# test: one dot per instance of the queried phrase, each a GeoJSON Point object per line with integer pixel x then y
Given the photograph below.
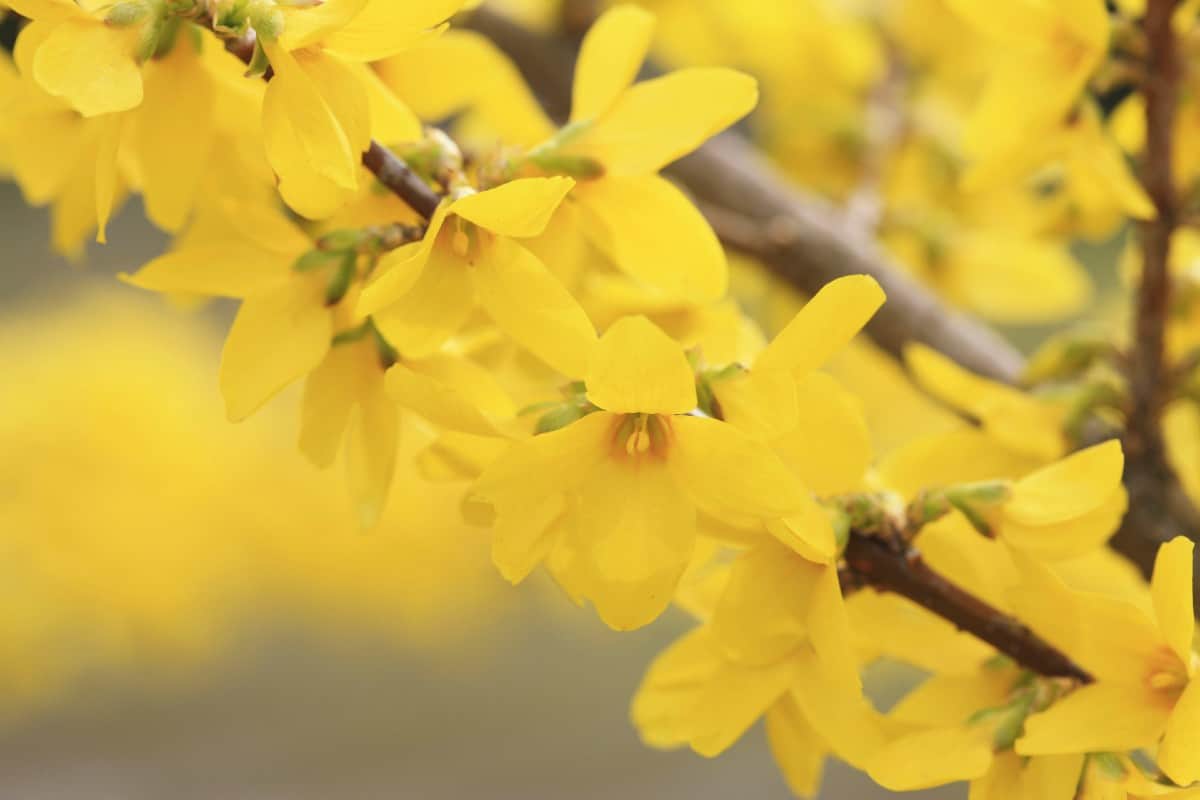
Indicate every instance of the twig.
{"type": "Point", "coordinates": [1159, 508]}
{"type": "Point", "coordinates": [898, 568]}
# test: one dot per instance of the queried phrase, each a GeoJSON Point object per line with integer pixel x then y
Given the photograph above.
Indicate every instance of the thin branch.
{"type": "Point", "coordinates": [801, 238]}
{"type": "Point", "coordinates": [1159, 508]}
{"type": "Point", "coordinates": [887, 565]}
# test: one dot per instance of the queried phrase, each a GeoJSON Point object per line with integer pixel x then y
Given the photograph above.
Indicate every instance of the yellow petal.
{"type": "Point", "coordinates": [520, 208]}
{"type": "Point", "coordinates": [760, 402]}
{"type": "Point", "coordinates": [330, 393]}
{"type": "Point", "coordinates": [305, 25]}
{"type": "Point", "coordinates": [172, 134]}
{"type": "Point", "coordinates": [829, 447]}
{"type": "Point", "coordinates": [1100, 717]}
{"type": "Point", "coordinates": [530, 305]}
{"type": "Point", "coordinates": [963, 454]}
{"type": "Point", "coordinates": [420, 385]}
{"type": "Point", "coordinates": [90, 65]}
{"type": "Point", "coordinates": [293, 100]}
{"type": "Point", "coordinates": [826, 324]}
{"type": "Point", "coordinates": [1020, 422]}
{"type": "Point", "coordinates": [652, 232]}
{"type": "Point", "coordinates": [1178, 756]}
{"type": "Point", "coordinates": [1069, 488]}
{"type": "Point", "coordinates": [763, 614]}
{"type": "Point", "coordinates": [798, 749]}
{"type": "Point", "coordinates": [39, 10]}
{"type": "Point", "coordinates": [524, 534]}
{"type": "Point", "coordinates": [391, 120]}
{"type": "Point", "coordinates": [1072, 538]}
{"type": "Point", "coordinates": [474, 77]}
{"type": "Point", "coordinates": [385, 27]}
{"type": "Point", "coordinates": [106, 171]}
{"type": "Point", "coordinates": [657, 121]}
{"type": "Point", "coordinates": [692, 695]}
{"type": "Point", "coordinates": [225, 269]}
{"type": "Point", "coordinates": [371, 440]}
{"type": "Point", "coordinates": [932, 758]}
{"type": "Point", "coordinates": [400, 269]}
{"type": "Point", "coordinates": [434, 309]}
{"type": "Point", "coordinates": [636, 368]}
{"type": "Point", "coordinates": [807, 532]}
{"type": "Point", "coordinates": [837, 710]}
{"type": "Point", "coordinates": [1171, 589]}
{"type": "Point", "coordinates": [549, 463]}
{"type": "Point", "coordinates": [635, 533]}
{"type": "Point", "coordinates": [898, 628]}
{"type": "Point", "coordinates": [992, 275]}
{"type": "Point", "coordinates": [724, 467]}
{"type": "Point", "coordinates": [948, 700]}
{"type": "Point", "coordinates": [275, 339]}
{"type": "Point", "coordinates": [609, 59]}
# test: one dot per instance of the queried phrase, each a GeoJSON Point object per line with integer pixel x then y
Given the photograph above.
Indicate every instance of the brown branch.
{"type": "Point", "coordinates": [388, 168]}
{"type": "Point", "coordinates": [888, 566]}
{"type": "Point", "coordinates": [802, 239]}
{"type": "Point", "coordinates": [1159, 508]}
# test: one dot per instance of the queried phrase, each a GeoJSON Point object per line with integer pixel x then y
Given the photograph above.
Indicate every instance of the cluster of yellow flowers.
{"type": "Point", "coordinates": [549, 322]}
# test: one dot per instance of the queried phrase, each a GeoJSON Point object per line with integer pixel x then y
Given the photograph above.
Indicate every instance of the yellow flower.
{"type": "Point", "coordinates": [620, 134]}
{"type": "Point", "coordinates": [617, 492]}
{"type": "Point", "coordinates": [779, 646]}
{"type": "Point", "coordinates": [1144, 664]}
{"type": "Point", "coordinates": [1025, 424]}
{"type": "Point", "coordinates": [426, 291]}
{"type": "Point", "coordinates": [58, 156]}
{"type": "Point", "coordinates": [809, 421]}
{"type": "Point", "coordinates": [290, 326]}
{"type": "Point", "coordinates": [1061, 510]}
{"type": "Point", "coordinates": [323, 103]}
{"type": "Point", "coordinates": [1045, 53]}
{"type": "Point", "coordinates": [74, 55]}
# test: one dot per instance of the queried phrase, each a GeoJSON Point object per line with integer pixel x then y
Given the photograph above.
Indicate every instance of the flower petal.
{"type": "Point", "coordinates": [798, 749]}
{"type": "Point", "coordinates": [635, 531]}
{"type": "Point", "coordinates": [170, 123]}
{"type": "Point", "coordinates": [434, 309]}
{"type": "Point", "coordinates": [653, 233]}
{"type": "Point", "coordinates": [609, 59]}
{"type": "Point", "coordinates": [827, 323]}
{"type": "Point", "coordinates": [657, 121]}
{"type": "Point", "coordinates": [1171, 590]}
{"type": "Point", "coordinates": [637, 369]}
{"type": "Point", "coordinates": [90, 65]}
{"type": "Point", "coordinates": [1069, 488]}
{"type": "Point", "coordinates": [723, 466]}
{"type": "Point", "coordinates": [1178, 755]}
{"type": "Point", "coordinates": [275, 339]}
{"type": "Point", "coordinates": [530, 305]}
{"type": "Point", "coordinates": [520, 208]}
{"type": "Point", "coordinates": [1100, 717]}
{"type": "Point", "coordinates": [829, 447]}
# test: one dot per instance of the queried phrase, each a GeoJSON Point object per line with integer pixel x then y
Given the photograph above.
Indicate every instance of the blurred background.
{"type": "Point", "coordinates": [188, 611]}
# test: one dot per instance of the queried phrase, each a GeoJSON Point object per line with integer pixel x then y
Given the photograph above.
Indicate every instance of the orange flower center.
{"type": "Point", "coordinates": [1166, 672]}
{"type": "Point", "coordinates": [640, 435]}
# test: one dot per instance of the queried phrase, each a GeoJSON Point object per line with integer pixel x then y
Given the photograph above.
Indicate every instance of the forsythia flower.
{"type": "Point", "coordinates": [295, 322]}
{"type": "Point", "coordinates": [1045, 54]}
{"type": "Point", "coordinates": [620, 134]}
{"type": "Point", "coordinates": [778, 645]}
{"type": "Point", "coordinates": [426, 291]}
{"type": "Point", "coordinates": [323, 104]}
{"type": "Point", "coordinates": [1144, 666]}
{"type": "Point", "coordinates": [618, 491]}
{"type": "Point", "coordinates": [88, 62]}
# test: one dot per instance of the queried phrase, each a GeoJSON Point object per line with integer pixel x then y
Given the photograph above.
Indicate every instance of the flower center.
{"type": "Point", "coordinates": [1167, 673]}
{"type": "Point", "coordinates": [642, 434]}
